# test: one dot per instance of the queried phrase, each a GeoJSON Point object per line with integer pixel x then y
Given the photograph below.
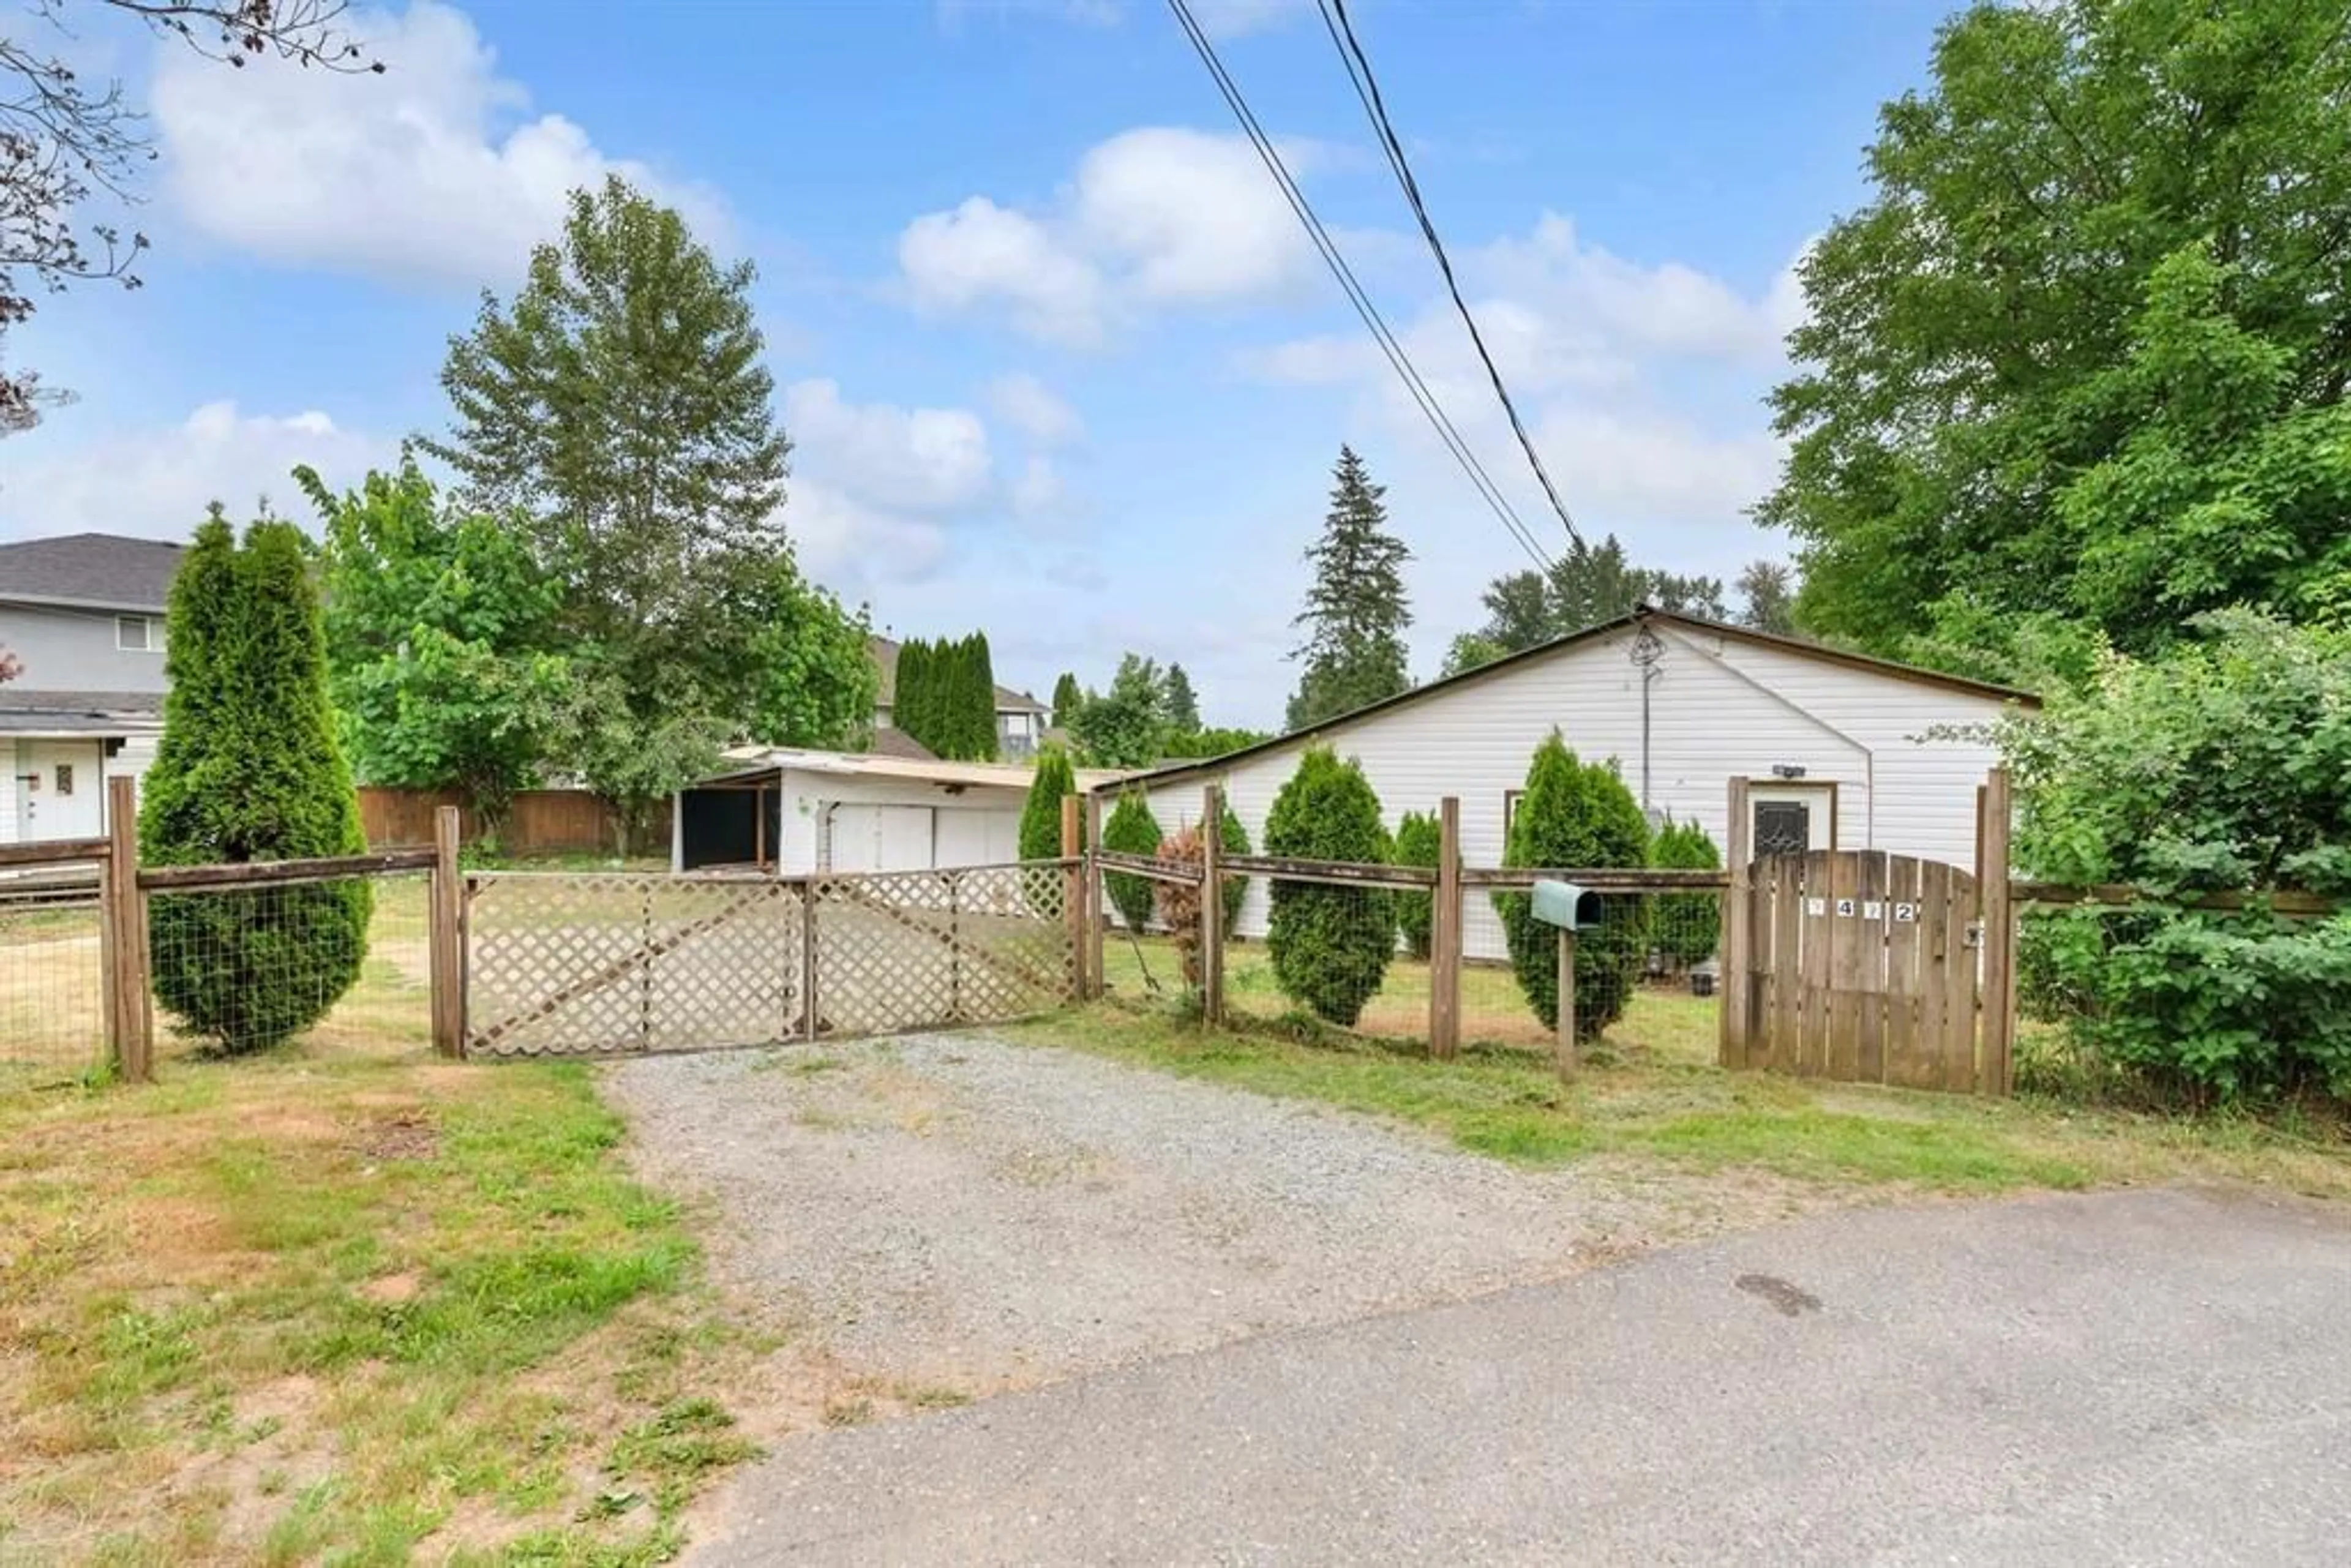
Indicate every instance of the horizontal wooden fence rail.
{"type": "Point", "coordinates": [2117, 895]}
{"type": "Point", "coordinates": [1598, 879]}
{"type": "Point", "coordinates": [278, 874]}
{"type": "Point", "coordinates": [1149, 866]}
{"type": "Point", "coordinates": [54, 851]}
{"type": "Point", "coordinates": [1335, 874]}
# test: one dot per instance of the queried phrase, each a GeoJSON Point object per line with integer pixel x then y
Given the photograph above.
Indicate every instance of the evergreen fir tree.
{"type": "Point", "coordinates": [1355, 612]}
{"type": "Point", "coordinates": [1181, 705]}
{"type": "Point", "coordinates": [249, 769]}
{"type": "Point", "coordinates": [1575, 815]}
{"type": "Point", "coordinates": [1329, 946]}
{"type": "Point", "coordinates": [1041, 817]}
{"type": "Point", "coordinates": [1131, 829]}
{"type": "Point", "coordinates": [979, 697]}
{"type": "Point", "coordinates": [1068, 697]}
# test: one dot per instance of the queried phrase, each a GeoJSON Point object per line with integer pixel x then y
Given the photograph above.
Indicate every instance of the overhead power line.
{"type": "Point", "coordinates": [1333, 258]}
{"type": "Point", "coordinates": [1368, 90]}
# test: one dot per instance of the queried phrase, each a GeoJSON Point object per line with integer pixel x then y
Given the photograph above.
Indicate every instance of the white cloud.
{"type": "Point", "coordinates": [1156, 216]}
{"type": "Point", "coordinates": [981, 254]}
{"type": "Point", "coordinates": [158, 483]}
{"type": "Point", "coordinates": [1037, 491]}
{"type": "Point", "coordinates": [1669, 306]}
{"type": "Point", "coordinates": [921, 459]}
{"type": "Point", "coordinates": [1035, 410]}
{"type": "Point", "coordinates": [422, 174]}
{"type": "Point", "coordinates": [852, 548]}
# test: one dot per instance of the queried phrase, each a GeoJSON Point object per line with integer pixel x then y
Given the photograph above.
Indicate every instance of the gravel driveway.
{"type": "Point", "coordinates": [968, 1213]}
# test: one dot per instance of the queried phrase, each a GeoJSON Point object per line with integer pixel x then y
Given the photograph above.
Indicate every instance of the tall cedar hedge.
{"type": "Point", "coordinates": [1329, 946]}
{"type": "Point", "coordinates": [1232, 838]}
{"type": "Point", "coordinates": [1131, 829]}
{"type": "Point", "coordinates": [1575, 814]}
{"type": "Point", "coordinates": [1041, 827]}
{"type": "Point", "coordinates": [945, 696]}
{"type": "Point", "coordinates": [1685, 925]}
{"type": "Point", "coordinates": [1419, 841]}
{"type": "Point", "coordinates": [250, 769]}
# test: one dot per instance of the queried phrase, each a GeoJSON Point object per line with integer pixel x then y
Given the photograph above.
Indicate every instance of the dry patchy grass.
{"type": "Point", "coordinates": [342, 1303]}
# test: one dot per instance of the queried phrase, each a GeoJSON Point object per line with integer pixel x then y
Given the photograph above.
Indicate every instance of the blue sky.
{"type": "Point", "coordinates": [1056, 362]}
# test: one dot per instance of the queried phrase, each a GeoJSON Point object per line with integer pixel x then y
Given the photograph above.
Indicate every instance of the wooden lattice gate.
{"type": "Point", "coordinates": [1860, 965]}
{"type": "Point", "coordinates": [560, 964]}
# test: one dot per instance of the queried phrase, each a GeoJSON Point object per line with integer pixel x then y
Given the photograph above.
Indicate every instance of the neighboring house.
{"type": "Point", "coordinates": [1836, 745]}
{"type": "Point", "coordinates": [1020, 719]}
{"type": "Point", "coordinates": [798, 811]}
{"type": "Point", "coordinates": [83, 614]}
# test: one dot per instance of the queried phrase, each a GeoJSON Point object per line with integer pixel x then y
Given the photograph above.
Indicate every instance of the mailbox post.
{"type": "Point", "coordinates": [1567, 907]}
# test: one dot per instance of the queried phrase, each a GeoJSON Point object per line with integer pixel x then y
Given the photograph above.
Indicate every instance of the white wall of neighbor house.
{"type": "Point", "coordinates": [54, 788]}
{"type": "Point", "coordinates": [1718, 706]}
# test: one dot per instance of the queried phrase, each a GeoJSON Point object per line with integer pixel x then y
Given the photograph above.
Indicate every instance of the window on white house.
{"type": "Point", "coordinates": [139, 633]}
{"type": "Point", "coordinates": [1509, 811]}
{"type": "Point", "coordinates": [65, 778]}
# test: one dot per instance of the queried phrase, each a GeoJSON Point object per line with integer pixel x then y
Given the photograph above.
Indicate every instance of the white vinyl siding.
{"type": "Point", "coordinates": [1718, 708]}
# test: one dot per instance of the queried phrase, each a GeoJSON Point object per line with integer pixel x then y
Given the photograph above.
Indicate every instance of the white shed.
{"type": "Point", "coordinates": [1838, 744]}
{"type": "Point", "coordinates": [797, 812]}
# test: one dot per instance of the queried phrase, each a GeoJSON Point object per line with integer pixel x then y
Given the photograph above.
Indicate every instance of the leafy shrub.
{"type": "Point", "coordinates": [1575, 815]}
{"type": "Point", "coordinates": [1132, 829]}
{"type": "Point", "coordinates": [2219, 767]}
{"type": "Point", "coordinates": [1419, 841]}
{"type": "Point", "coordinates": [248, 769]}
{"type": "Point", "coordinates": [1688, 926]}
{"type": "Point", "coordinates": [1178, 904]}
{"type": "Point", "coordinates": [1329, 946]}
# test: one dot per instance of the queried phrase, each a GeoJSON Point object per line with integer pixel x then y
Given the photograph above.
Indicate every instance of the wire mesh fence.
{"type": "Point", "coordinates": [1341, 951]}
{"type": "Point", "coordinates": [52, 976]}
{"type": "Point", "coordinates": [1646, 974]}
{"type": "Point", "coordinates": [342, 962]}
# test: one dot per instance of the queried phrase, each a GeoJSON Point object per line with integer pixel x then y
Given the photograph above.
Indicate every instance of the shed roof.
{"type": "Point", "coordinates": [105, 572]}
{"type": "Point", "coordinates": [754, 763]}
{"type": "Point", "coordinates": [1641, 615]}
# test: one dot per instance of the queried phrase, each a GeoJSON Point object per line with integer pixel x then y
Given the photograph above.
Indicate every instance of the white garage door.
{"type": "Point", "coordinates": [977, 837]}
{"type": "Point", "coordinates": [880, 838]}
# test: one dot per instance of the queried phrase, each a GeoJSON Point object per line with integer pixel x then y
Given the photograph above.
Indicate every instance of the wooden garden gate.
{"type": "Point", "coordinates": [1861, 966]}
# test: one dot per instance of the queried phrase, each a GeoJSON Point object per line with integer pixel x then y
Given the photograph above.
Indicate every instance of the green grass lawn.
{"type": "Point", "coordinates": [342, 1303]}
{"type": "Point", "coordinates": [1650, 1092]}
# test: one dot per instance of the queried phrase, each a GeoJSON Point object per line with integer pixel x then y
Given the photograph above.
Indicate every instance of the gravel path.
{"type": "Point", "coordinates": [966, 1212]}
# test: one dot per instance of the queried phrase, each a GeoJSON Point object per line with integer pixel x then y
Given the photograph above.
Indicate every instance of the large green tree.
{"type": "Point", "coordinates": [2082, 356]}
{"type": "Point", "coordinates": [1179, 702]}
{"type": "Point", "coordinates": [1126, 727]}
{"type": "Point", "coordinates": [248, 769]}
{"type": "Point", "coordinates": [441, 652]}
{"type": "Point", "coordinates": [1355, 612]}
{"type": "Point", "coordinates": [619, 405]}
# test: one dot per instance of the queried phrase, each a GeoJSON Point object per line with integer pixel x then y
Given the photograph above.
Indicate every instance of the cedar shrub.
{"type": "Point", "coordinates": [1329, 946]}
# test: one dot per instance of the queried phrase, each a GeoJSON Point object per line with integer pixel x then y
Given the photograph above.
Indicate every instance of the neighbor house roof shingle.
{"type": "Point", "coordinates": [108, 571]}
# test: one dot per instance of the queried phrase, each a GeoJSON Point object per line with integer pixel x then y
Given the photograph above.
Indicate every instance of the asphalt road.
{"type": "Point", "coordinates": [2144, 1377]}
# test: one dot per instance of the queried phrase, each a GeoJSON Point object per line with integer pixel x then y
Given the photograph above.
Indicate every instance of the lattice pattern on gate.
{"type": "Point", "coordinates": [592, 964]}
{"type": "Point", "coordinates": [576, 965]}
{"type": "Point", "coordinates": [923, 949]}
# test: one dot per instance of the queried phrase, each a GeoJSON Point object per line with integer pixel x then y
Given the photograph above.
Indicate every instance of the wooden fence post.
{"type": "Point", "coordinates": [1074, 897]}
{"type": "Point", "coordinates": [1995, 1061]}
{"type": "Point", "coordinates": [444, 947]}
{"type": "Point", "coordinates": [1734, 1009]}
{"type": "Point", "coordinates": [1212, 907]}
{"type": "Point", "coordinates": [123, 930]}
{"type": "Point", "coordinates": [1563, 1053]}
{"type": "Point", "coordinates": [1444, 934]}
{"type": "Point", "coordinates": [1092, 901]}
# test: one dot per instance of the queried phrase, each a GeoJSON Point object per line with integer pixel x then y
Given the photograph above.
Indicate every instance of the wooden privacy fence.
{"type": "Point", "coordinates": [539, 821]}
